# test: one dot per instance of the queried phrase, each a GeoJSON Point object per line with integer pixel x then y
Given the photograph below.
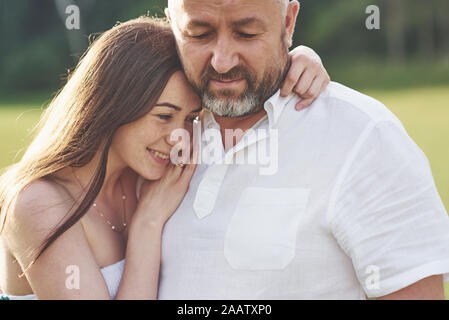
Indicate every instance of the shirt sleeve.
{"type": "Point", "coordinates": [387, 215]}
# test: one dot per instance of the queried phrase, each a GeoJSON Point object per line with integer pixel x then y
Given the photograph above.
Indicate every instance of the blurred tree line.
{"type": "Point", "coordinates": [36, 47]}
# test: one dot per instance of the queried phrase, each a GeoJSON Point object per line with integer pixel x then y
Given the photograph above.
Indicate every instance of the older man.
{"type": "Point", "coordinates": [351, 211]}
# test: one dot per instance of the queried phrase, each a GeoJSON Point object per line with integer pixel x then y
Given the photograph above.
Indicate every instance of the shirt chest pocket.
{"type": "Point", "coordinates": [262, 232]}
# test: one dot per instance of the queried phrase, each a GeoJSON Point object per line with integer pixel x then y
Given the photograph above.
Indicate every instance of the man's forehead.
{"type": "Point", "coordinates": [236, 10]}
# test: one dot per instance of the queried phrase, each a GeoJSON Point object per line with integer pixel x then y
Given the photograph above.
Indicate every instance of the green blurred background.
{"type": "Point", "coordinates": [404, 64]}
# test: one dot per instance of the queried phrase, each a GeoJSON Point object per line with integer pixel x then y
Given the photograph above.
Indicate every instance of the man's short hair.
{"type": "Point", "coordinates": [283, 4]}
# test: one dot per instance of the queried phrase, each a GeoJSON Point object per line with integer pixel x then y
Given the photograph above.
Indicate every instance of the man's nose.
{"type": "Point", "coordinates": [224, 56]}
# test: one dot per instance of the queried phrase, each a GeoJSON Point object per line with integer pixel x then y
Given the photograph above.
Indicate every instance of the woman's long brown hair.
{"type": "Point", "coordinates": [116, 82]}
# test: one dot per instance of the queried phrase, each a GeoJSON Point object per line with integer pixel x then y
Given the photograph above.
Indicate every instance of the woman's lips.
{"type": "Point", "coordinates": [159, 157]}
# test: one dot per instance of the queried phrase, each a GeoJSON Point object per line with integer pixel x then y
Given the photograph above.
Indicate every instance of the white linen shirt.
{"type": "Point", "coordinates": [351, 212]}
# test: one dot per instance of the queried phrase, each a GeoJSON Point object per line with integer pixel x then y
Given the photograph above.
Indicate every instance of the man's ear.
{"type": "Point", "coordinates": [290, 21]}
{"type": "Point", "coordinates": [167, 14]}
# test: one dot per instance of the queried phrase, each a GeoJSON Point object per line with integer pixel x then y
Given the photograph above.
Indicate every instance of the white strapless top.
{"type": "Point", "coordinates": [112, 274]}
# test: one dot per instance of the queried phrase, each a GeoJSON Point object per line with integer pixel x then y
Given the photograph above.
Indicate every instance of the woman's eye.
{"type": "Point", "coordinates": [164, 116]}
{"type": "Point", "coordinates": [191, 120]}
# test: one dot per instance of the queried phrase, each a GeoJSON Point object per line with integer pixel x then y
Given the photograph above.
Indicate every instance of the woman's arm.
{"type": "Point", "coordinates": [157, 202]}
{"type": "Point", "coordinates": [68, 268]}
{"type": "Point", "coordinates": [306, 77]}
{"type": "Point", "coordinates": [141, 274]}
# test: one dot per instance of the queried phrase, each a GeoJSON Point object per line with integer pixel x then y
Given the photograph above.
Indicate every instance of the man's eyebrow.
{"type": "Point", "coordinates": [198, 23]}
{"type": "Point", "coordinates": [239, 23]}
{"type": "Point", "coordinates": [166, 104]}
{"type": "Point", "coordinates": [248, 21]}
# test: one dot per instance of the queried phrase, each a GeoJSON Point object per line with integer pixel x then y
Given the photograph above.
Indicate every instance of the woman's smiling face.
{"type": "Point", "coordinates": [144, 145]}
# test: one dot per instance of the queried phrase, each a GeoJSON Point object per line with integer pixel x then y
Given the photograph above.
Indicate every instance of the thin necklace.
{"type": "Point", "coordinates": [113, 227]}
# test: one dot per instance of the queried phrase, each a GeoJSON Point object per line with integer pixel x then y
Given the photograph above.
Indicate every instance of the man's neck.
{"type": "Point", "coordinates": [238, 126]}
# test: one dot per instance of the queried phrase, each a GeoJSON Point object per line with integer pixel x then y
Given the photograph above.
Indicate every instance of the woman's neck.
{"type": "Point", "coordinates": [114, 171]}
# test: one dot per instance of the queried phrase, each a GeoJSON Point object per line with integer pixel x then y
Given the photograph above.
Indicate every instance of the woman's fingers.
{"type": "Point", "coordinates": [305, 69]}
{"type": "Point", "coordinates": [311, 93]}
{"type": "Point", "coordinates": [318, 84]}
{"type": "Point", "coordinates": [188, 172]}
{"type": "Point", "coordinates": [294, 73]}
{"type": "Point", "coordinates": [304, 84]}
{"type": "Point", "coordinates": [304, 103]}
{"type": "Point", "coordinates": [189, 168]}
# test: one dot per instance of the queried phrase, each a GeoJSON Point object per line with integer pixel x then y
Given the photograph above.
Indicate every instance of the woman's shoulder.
{"type": "Point", "coordinates": [40, 194]}
{"type": "Point", "coordinates": [39, 206]}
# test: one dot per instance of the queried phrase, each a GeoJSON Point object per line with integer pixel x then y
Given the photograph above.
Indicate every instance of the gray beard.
{"type": "Point", "coordinates": [250, 102]}
{"type": "Point", "coordinates": [232, 108]}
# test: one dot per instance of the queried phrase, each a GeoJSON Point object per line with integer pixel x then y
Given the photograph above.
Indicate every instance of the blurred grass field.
{"type": "Point", "coordinates": [423, 111]}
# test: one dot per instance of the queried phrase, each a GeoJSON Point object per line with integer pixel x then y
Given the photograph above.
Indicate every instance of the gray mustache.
{"type": "Point", "coordinates": [233, 74]}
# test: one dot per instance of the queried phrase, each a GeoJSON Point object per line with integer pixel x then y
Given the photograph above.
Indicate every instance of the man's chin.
{"type": "Point", "coordinates": [216, 98]}
{"type": "Point", "coordinates": [240, 116]}
{"type": "Point", "coordinates": [231, 108]}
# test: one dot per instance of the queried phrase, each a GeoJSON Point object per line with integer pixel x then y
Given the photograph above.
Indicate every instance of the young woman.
{"type": "Point", "coordinates": [73, 225]}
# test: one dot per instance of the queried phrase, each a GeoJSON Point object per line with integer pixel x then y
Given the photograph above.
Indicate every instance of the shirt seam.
{"type": "Point", "coordinates": [341, 98]}
{"type": "Point", "coordinates": [341, 176]}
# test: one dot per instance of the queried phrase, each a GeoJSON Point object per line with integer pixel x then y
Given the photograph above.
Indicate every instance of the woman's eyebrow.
{"type": "Point", "coordinates": [170, 105]}
{"type": "Point", "coordinates": [197, 110]}
{"type": "Point", "coordinates": [166, 104]}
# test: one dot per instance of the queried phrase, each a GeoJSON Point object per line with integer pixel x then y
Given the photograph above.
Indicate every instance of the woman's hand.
{"type": "Point", "coordinates": [159, 199]}
{"type": "Point", "coordinates": [306, 77]}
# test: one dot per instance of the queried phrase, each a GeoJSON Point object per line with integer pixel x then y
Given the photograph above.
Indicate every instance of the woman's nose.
{"type": "Point", "coordinates": [176, 134]}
